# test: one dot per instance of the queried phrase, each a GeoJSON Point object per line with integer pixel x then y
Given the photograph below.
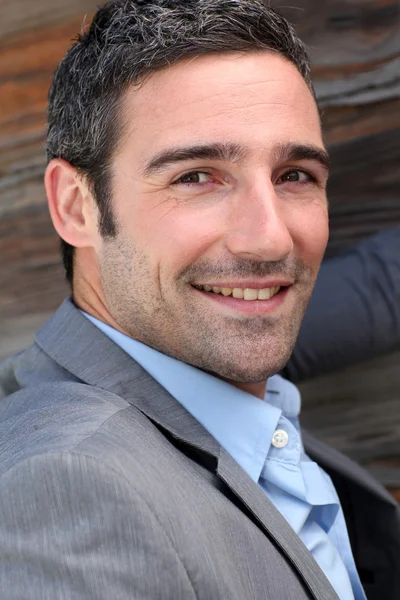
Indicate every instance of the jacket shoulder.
{"type": "Point", "coordinates": [52, 417]}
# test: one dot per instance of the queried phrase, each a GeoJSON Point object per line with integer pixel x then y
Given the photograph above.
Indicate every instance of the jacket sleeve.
{"type": "Point", "coordinates": [354, 312]}
{"type": "Point", "coordinates": [72, 528]}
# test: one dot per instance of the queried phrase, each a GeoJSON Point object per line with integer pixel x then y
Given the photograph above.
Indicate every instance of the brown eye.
{"type": "Point", "coordinates": [194, 177]}
{"type": "Point", "coordinates": [295, 176]}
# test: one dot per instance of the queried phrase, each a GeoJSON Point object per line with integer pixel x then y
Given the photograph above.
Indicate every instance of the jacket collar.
{"type": "Point", "coordinates": [82, 349]}
{"type": "Point", "coordinates": [78, 346]}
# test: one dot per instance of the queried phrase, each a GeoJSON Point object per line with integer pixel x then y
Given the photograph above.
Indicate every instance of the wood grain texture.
{"type": "Point", "coordinates": [355, 48]}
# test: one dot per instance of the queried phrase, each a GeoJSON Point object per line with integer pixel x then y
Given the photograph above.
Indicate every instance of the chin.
{"type": "Point", "coordinates": [251, 372]}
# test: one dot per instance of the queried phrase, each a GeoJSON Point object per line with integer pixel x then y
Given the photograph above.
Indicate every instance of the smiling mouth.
{"type": "Point", "coordinates": [242, 293]}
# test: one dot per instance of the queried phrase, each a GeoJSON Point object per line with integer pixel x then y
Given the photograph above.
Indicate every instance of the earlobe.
{"type": "Point", "coordinates": [70, 203]}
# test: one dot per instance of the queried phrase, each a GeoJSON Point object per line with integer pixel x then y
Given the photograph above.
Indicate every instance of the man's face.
{"type": "Point", "coordinates": [217, 184]}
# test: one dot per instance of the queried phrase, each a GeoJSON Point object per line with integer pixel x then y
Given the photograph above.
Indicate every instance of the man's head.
{"type": "Point", "coordinates": [186, 154]}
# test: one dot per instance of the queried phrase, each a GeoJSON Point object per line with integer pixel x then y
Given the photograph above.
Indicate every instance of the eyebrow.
{"type": "Point", "coordinates": [288, 152]}
{"type": "Point", "coordinates": [232, 152]}
{"type": "Point", "coordinates": [227, 152]}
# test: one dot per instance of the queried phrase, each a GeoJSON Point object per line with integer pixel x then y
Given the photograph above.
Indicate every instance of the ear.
{"type": "Point", "coordinates": [72, 208]}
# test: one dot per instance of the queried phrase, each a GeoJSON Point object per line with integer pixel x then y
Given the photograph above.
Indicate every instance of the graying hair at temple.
{"type": "Point", "coordinates": [126, 42]}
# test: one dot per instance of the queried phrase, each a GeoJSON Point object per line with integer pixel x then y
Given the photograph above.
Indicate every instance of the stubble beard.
{"type": "Point", "coordinates": [241, 349]}
{"type": "Point", "coordinates": [246, 349]}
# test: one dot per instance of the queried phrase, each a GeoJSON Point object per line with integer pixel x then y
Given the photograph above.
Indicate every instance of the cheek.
{"type": "Point", "coordinates": [309, 226]}
{"type": "Point", "coordinates": [176, 236]}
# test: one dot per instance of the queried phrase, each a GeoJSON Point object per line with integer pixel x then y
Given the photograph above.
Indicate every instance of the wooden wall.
{"type": "Point", "coordinates": [355, 47]}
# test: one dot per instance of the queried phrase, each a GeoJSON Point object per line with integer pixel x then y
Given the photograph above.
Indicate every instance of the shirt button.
{"type": "Point", "coordinates": [280, 438]}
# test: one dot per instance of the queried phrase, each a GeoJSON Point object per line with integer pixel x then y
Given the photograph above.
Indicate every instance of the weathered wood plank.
{"type": "Point", "coordinates": [17, 332]}
{"type": "Point", "coordinates": [19, 16]}
{"type": "Point", "coordinates": [31, 274]}
{"type": "Point", "coordinates": [346, 36]}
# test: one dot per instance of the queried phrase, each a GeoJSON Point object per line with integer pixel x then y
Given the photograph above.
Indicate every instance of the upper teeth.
{"type": "Point", "coordinates": [244, 293]}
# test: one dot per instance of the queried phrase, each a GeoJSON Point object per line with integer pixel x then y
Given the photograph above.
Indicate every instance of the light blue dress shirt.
{"type": "Point", "coordinates": [245, 427]}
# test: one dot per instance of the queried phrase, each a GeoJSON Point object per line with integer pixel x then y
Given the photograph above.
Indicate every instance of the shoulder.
{"type": "Point", "coordinates": [51, 418]}
{"type": "Point", "coordinates": [90, 532]}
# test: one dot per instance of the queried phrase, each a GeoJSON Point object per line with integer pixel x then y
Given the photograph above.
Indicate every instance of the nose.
{"type": "Point", "coordinates": [257, 227]}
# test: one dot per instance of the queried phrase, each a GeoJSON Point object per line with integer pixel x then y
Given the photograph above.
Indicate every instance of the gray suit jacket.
{"type": "Point", "coordinates": [109, 489]}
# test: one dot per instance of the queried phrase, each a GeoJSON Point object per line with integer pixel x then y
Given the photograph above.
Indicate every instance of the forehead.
{"type": "Point", "coordinates": [255, 100]}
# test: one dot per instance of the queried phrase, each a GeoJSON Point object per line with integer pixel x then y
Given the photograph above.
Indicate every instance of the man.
{"type": "Point", "coordinates": [148, 448]}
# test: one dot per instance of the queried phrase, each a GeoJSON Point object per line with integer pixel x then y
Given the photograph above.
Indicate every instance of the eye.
{"type": "Point", "coordinates": [296, 176]}
{"type": "Point", "coordinates": [194, 177]}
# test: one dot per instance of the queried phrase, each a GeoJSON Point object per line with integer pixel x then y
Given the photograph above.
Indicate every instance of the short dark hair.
{"type": "Point", "coordinates": [128, 40]}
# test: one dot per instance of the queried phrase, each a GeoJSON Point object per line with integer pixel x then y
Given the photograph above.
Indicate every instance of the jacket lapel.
{"type": "Point", "coordinates": [79, 347]}
{"type": "Point", "coordinates": [275, 526]}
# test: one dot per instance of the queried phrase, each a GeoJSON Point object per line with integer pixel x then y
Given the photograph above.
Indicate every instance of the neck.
{"type": "Point", "coordinates": [255, 389]}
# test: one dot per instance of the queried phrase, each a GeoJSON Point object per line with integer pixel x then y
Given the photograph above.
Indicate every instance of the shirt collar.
{"type": "Point", "coordinates": [241, 423]}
